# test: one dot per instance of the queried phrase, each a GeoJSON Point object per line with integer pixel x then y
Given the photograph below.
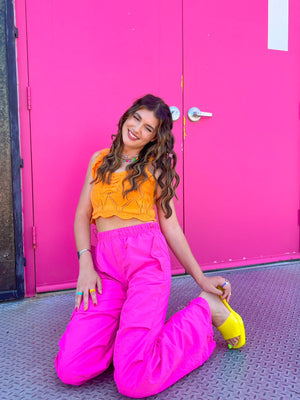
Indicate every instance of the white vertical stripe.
{"type": "Point", "coordinates": [278, 24]}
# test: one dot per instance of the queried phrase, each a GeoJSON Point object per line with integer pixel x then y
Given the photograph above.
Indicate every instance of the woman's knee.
{"type": "Point", "coordinates": [78, 370]}
{"type": "Point", "coordinates": [134, 383]}
{"type": "Point", "coordinates": [124, 384]}
{"type": "Point", "coordinates": [68, 371]}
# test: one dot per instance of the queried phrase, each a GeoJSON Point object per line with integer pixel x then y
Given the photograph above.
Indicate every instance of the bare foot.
{"type": "Point", "coordinates": [219, 313]}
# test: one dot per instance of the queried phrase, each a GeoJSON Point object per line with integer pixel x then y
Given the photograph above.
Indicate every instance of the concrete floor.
{"type": "Point", "coordinates": [267, 367]}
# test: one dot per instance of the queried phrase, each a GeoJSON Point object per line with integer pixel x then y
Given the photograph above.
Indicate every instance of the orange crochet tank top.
{"type": "Point", "coordinates": [107, 200]}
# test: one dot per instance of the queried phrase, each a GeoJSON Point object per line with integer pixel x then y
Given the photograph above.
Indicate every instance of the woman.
{"type": "Point", "coordinates": [122, 297]}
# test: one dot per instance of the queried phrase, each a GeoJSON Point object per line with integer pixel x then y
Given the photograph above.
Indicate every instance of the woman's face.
{"type": "Point", "coordinates": [138, 130]}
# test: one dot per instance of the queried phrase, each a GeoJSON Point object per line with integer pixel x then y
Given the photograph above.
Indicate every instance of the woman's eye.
{"type": "Point", "coordinates": [136, 117]}
{"type": "Point", "coordinates": [149, 130]}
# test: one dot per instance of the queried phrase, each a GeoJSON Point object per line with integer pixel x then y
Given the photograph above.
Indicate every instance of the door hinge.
{"type": "Point", "coordinates": [16, 32]}
{"type": "Point", "coordinates": [21, 163]}
{"type": "Point", "coordinates": [24, 262]}
{"type": "Point", "coordinates": [28, 98]}
{"type": "Point", "coordinates": [34, 237]}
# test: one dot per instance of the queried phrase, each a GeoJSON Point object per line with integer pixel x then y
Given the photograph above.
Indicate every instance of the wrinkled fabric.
{"type": "Point", "coordinates": [128, 324]}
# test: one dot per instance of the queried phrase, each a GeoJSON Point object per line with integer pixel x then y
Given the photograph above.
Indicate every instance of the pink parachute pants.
{"type": "Point", "coordinates": [128, 324]}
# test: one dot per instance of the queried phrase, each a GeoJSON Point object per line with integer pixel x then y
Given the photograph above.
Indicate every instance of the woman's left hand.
{"type": "Point", "coordinates": [216, 285]}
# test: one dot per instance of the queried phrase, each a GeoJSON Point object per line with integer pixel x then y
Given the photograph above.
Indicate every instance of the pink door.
{"type": "Point", "coordinates": [87, 63]}
{"type": "Point", "coordinates": [241, 181]}
{"type": "Point", "coordinates": [85, 66]}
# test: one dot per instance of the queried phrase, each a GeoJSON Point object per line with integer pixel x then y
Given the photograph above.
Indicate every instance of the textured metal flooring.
{"type": "Point", "coordinates": [266, 368]}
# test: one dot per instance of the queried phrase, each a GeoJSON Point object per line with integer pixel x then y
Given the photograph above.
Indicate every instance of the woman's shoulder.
{"type": "Point", "coordinates": [100, 154]}
{"type": "Point", "coordinates": [97, 159]}
{"type": "Point", "coordinates": [156, 172]}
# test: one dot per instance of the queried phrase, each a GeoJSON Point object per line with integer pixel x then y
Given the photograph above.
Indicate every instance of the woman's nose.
{"type": "Point", "coordinates": [137, 126]}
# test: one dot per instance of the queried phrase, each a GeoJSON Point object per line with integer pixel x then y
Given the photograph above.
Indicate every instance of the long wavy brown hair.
{"type": "Point", "coordinates": [158, 153]}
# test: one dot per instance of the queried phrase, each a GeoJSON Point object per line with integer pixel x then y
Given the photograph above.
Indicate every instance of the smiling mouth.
{"type": "Point", "coordinates": [132, 136]}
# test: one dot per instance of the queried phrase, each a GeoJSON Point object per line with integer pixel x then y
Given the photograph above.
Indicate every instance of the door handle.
{"type": "Point", "coordinates": [195, 114]}
{"type": "Point", "coordinates": [175, 113]}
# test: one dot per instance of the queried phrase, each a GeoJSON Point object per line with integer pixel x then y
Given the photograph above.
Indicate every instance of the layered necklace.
{"type": "Point", "coordinates": [127, 159]}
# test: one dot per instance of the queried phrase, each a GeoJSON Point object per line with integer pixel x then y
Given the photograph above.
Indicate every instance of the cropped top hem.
{"type": "Point", "coordinates": [141, 217]}
{"type": "Point", "coordinates": [108, 200]}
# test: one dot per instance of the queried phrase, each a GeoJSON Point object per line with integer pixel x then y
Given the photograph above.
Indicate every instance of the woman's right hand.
{"type": "Point", "coordinates": [88, 282]}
